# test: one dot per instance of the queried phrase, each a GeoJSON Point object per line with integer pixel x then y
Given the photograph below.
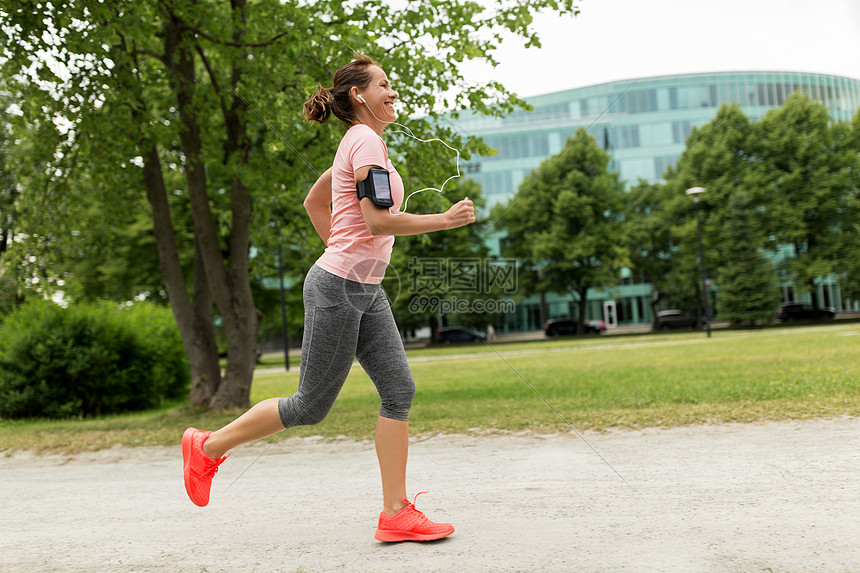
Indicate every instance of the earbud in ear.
{"type": "Point", "coordinates": [361, 99]}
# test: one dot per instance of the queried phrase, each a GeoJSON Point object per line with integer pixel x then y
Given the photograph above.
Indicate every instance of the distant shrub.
{"type": "Point", "coordinates": [88, 359]}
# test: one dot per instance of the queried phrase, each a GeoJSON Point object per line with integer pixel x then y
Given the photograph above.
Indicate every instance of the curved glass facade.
{"type": "Point", "coordinates": [643, 123]}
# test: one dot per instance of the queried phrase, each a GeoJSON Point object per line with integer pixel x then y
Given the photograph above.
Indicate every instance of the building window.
{"type": "Point", "coordinates": [623, 136]}
{"type": "Point", "coordinates": [541, 145]}
{"type": "Point", "coordinates": [516, 116]}
{"type": "Point", "coordinates": [596, 105]}
{"type": "Point", "coordinates": [519, 146]}
{"type": "Point", "coordinates": [681, 130]}
{"type": "Point", "coordinates": [663, 162]}
{"type": "Point", "coordinates": [551, 112]}
{"type": "Point", "coordinates": [765, 94]}
{"type": "Point", "coordinates": [494, 183]}
{"type": "Point", "coordinates": [639, 101]}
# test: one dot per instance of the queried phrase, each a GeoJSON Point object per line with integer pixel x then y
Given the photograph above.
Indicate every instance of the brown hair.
{"type": "Point", "coordinates": [336, 99]}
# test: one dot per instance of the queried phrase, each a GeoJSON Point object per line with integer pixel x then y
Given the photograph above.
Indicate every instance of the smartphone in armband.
{"type": "Point", "coordinates": [377, 186]}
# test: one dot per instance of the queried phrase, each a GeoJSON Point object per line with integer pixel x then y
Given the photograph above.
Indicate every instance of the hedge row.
{"type": "Point", "coordinates": [89, 359]}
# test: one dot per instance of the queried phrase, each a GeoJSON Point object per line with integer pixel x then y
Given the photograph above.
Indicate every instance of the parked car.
{"type": "Point", "coordinates": [803, 311]}
{"type": "Point", "coordinates": [669, 319]}
{"type": "Point", "coordinates": [450, 334]}
{"type": "Point", "coordinates": [567, 326]}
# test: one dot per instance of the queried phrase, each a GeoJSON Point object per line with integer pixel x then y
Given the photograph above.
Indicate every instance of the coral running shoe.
{"type": "Point", "coordinates": [410, 525]}
{"type": "Point", "coordinates": [197, 466]}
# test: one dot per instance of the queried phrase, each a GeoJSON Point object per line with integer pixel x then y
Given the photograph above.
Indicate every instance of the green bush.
{"type": "Point", "coordinates": [88, 359]}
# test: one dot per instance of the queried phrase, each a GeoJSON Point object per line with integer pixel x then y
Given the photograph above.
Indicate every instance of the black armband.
{"type": "Point", "coordinates": [376, 186]}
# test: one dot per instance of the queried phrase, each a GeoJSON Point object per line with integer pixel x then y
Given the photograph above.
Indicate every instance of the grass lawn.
{"type": "Point", "coordinates": [546, 386]}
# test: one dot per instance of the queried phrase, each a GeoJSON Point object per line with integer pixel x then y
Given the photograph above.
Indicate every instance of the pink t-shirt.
{"type": "Point", "coordinates": [352, 251]}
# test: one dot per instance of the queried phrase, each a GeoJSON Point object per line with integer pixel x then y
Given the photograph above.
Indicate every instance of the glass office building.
{"type": "Point", "coordinates": [643, 123]}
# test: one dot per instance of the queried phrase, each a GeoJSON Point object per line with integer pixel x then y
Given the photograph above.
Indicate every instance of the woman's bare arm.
{"type": "Point", "coordinates": [382, 222]}
{"type": "Point", "coordinates": [318, 205]}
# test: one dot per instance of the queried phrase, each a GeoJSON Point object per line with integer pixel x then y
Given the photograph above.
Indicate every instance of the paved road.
{"type": "Point", "coordinates": [778, 497]}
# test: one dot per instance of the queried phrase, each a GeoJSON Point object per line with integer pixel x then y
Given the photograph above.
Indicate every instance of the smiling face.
{"type": "Point", "coordinates": [378, 107]}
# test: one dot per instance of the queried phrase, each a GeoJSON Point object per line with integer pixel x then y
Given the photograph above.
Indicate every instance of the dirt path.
{"type": "Point", "coordinates": [774, 497]}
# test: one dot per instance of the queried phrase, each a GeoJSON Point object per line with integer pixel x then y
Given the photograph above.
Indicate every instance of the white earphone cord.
{"type": "Point", "coordinates": [412, 135]}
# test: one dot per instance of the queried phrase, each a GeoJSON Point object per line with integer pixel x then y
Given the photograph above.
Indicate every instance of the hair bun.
{"type": "Point", "coordinates": [337, 100]}
{"type": "Point", "coordinates": [318, 107]}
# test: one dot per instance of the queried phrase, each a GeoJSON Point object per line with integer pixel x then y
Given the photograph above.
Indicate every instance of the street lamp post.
{"type": "Point", "coordinates": [694, 192]}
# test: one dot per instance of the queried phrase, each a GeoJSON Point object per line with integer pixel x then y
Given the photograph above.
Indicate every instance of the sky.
{"type": "Point", "coordinates": [626, 39]}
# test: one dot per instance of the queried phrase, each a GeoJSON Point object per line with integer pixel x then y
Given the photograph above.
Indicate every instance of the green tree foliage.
{"type": "Point", "coordinates": [566, 223]}
{"type": "Point", "coordinates": [749, 290]}
{"type": "Point", "coordinates": [87, 360]}
{"type": "Point", "coordinates": [715, 157]}
{"type": "Point", "coordinates": [848, 258]}
{"type": "Point", "coordinates": [804, 175]}
{"type": "Point", "coordinates": [195, 104]}
{"type": "Point", "coordinates": [652, 245]}
{"type": "Point", "coordinates": [798, 171]}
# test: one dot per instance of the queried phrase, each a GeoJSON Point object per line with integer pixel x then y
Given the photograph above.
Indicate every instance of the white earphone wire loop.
{"type": "Point", "coordinates": [409, 133]}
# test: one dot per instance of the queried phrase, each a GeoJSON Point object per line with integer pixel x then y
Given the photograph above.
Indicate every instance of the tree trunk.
{"type": "Point", "coordinates": [581, 305]}
{"type": "Point", "coordinates": [242, 327]}
{"type": "Point", "coordinates": [193, 316]}
{"type": "Point", "coordinates": [205, 345]}
{"type": "Point", "coordinates": [813, 291]}
{"type": "Point", "coordinates": [231, 290]}
{"type": "Point", "coordinates": [542, 310]}
{"type": "Point", "coordinates": [245, 320]}
{"type": "Point", "coordinates": [197, 332]}
{"type": "Point", "coordinates": [655, 307]}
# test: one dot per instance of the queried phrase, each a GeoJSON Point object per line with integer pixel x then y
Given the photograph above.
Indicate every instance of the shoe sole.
{"type": "Point", "coordinates": [392, 535]}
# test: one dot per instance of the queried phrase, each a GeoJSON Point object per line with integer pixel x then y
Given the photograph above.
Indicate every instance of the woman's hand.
{"type": "Point", "coordinates": [381, 221]}
{"type": "Point", "coordinates": [460, 214]}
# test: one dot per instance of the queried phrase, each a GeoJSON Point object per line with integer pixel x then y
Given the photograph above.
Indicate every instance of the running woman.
{"type": "Point", "coordinates": [347, 314]}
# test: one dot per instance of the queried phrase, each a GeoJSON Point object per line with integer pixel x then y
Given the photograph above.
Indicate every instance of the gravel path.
{"type": "Point", "coordinates": [759, 497]}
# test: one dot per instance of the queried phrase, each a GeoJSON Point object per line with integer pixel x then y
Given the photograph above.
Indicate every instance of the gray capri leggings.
{"type": "Point", "coordinates": [345, 319]}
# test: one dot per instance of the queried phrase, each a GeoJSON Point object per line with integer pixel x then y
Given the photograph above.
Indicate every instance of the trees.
{"type": "Point", "coordinates": [792, 170]}
{"type": "Point", "coordinates": [747, 279]}
{"type": "Point", "coordinates": [195, 104]}
{"type": "Point", "coordinates": [848, 252]}
{"type": "Point", "coordinates": [567, 224]}
{"type": "Point", "coordinates": [652, 245]}
{"type": "Point", "coordinates": [715, 157]}
{"type": "Point", "coordinates": [803, 174]}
